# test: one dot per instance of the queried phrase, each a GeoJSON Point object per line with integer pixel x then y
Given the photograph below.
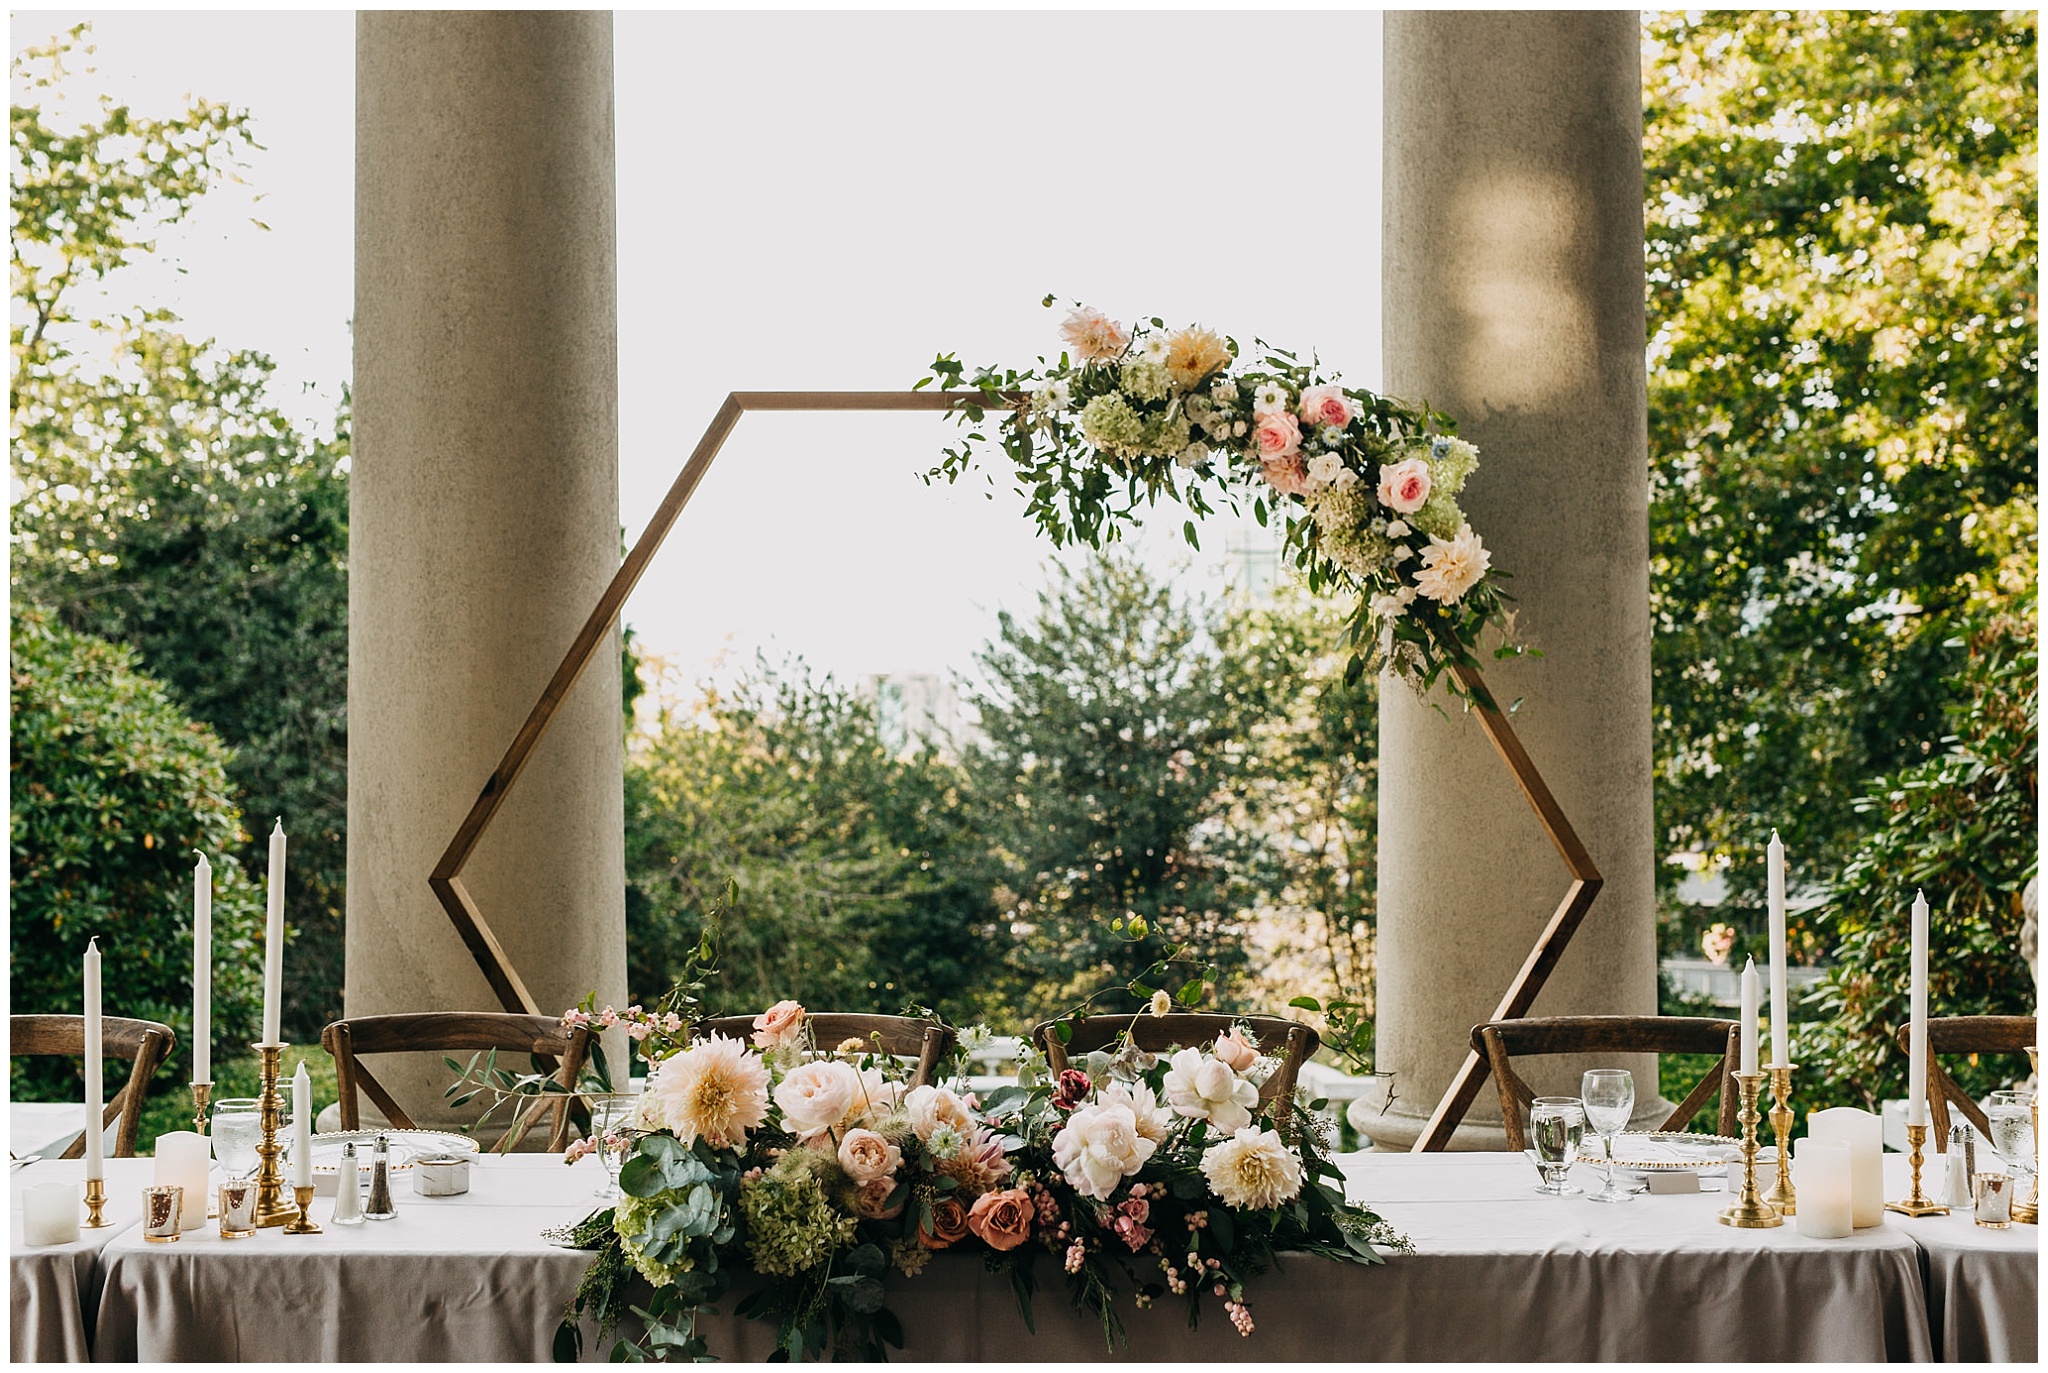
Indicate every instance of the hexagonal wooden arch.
{"type": "Point", "coordinates": [511, 991]}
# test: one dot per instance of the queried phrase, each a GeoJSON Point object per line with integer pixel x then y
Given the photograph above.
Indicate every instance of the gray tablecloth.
{"type": "Point", "coordinates": [1983, 1286]}
{"type": "Point", "coordinates": [54, 1289]}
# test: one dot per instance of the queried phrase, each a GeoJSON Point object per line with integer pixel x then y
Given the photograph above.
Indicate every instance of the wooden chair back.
{"type": "Point", "coordinates": [1188, 1030]}
{"type": "Point", "coordinates": [449, 1032]}
{"type": "Point", "coordinates": [145, 1043]}
{"type": "Point", "coordinates": [927, 1041]}
{"type": "Point", "coordinates": [1964, 1034]}
{"type": "Point", "coordinates": [1498, 1042]}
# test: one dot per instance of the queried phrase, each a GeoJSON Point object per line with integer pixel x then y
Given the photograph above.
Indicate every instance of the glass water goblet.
{"type": "Point", "coordinates": [1609, 1095]}
{"type": "Point", "coordinates": [611, 1115]}
{"type": "Point", "coordinates": [2011, 1117]}
{"type": "Point", "coordinates": [1556, 1125]}
{"type": "Point", "coordinates": [237, 1130]}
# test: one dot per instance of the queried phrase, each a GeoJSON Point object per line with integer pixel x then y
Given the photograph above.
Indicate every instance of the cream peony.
{"type": "Point", "coordinates": [1252, 1170]}
{"type": "Point", "coordinates": [929, 1107]}
{"type": "Point", "coordinates": [1205, 1089]}
{"type": "Point", "coordinates": [1094, 336]}
{"type": "Point", "coordinates": [1137, 1098]}
{"type": "Point", "coordinates": [817, 1096]}
{"type": "Point", "coordinates": [715, 1090]}
{"type": "Point", "coordinates": [1452, 567]}
{"type": "Point", "coordinates": [866, 1156]}
{"type": "Point", "coordinates": [1098, 1148]}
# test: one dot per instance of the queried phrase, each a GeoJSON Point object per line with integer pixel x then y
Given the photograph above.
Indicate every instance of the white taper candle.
{"type": "Point", "coordinates": [302, 1128]}
{"type": "Point", "coordinates": [1916, 1041]}
{"type": "Point", "coordinates": [202, 971]}
{"type": "Point", "coordinates": [95, 1095]}
{"type": "Point", "coordinates": [273, 937]}
{"type": "Point", "coordinates": [1751, 985]}
{"type": "Point", "coordinates": [1781, 1016]}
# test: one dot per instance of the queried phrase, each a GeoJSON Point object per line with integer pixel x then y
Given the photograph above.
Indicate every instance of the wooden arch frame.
{"type": "Point", "coordinates": [455, 898]}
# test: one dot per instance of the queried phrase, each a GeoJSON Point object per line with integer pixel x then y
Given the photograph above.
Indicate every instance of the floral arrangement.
{"type": "Point", "coordinates": [828, 1174]}
{"type": "Point", "coordinates": [1368, 487]}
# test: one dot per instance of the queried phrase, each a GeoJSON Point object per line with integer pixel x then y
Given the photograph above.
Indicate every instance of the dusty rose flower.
{"type": "Point", "coordinates": [866, 1156]}
{"type": "Point", "coordinates": [1276, 435]}
{"type": "Point", "coordinates": [1289, 475]}
{"type": "Point", "coordinates": [1098, 1148]}
{"type": "Point", "coordinates": [1451, 567]}
{"type": "Point", "coordinates": [1134, 1233]}
{"type": "Point", "coordinates": [1327, 404]}
{"type": "Point", "coordinates": [1094, 336]}
{"type": "Point", "coordinates": [872, 1200]}
{"type": "Point", "coordinates": [817, 1096]}
{"type": "Point", "coordinates": [780, 1024]}
{"type": "Point", "coordinates": [1252, 1170]}
{"type": "Point", "coordinates": [1202, 1088]}
{"type": "Point", "coordinates": [1404, 486]}
{"type": "Point", "coordinates": [715, 1089]}
{"type": "Point", "coordinates": [1192, 354]}
{"type": "Point", "coordinates": [1236, 1052]}
{"type": "Point", "coordinates": [1001, 1219]}
{"type": "Point", "coordinates": [948, 1224]}
{"type": "Point", "coordinates": [978, 1165]}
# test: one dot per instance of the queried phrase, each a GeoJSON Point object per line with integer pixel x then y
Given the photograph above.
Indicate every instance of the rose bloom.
{"type": "Point", "coordinates": [872, 1200]}
{"type": "Point", "coordinates": [780, 1024]}
{"type": "Point", "coordinates": [1327, 404]}
{"type": "Point", "coordinates": [1200, 1087]}
{"type": "Point", "coordinates": [866, 1156]}
{"type": "Point", "coordinates": [948, 1224]}
{"type": "Point", "coordinates": [1152, 1122]}
{"type": "Point", "coordinates": [1098, 1148]}
{"type": "Point", "coordinates": [1276, 435]}
{"type": "Point", "coordinates": [817, 1096]}
{"type": "Point", "coordinates": [1404, 486]}
{"type": "Point", "coordinates": [1002, 1219]}
{"type": "Point", "coordinates": [1235, 1050]}
{"type": "Point", "coordinates": [1452, 567]}
{"type": "Point", "coordinates": [1252, 1170]}
{"type": "Point", "coordinates": [1288, 475]}
{"type": "Point", "coordinates": [930, 1107]}
{"type": "Point", "coordinates": [714, 1090]}
{"type": "Point", "coordinates": [1192, 354]}
{"type": "Point", "coordinates": [1094, 336]}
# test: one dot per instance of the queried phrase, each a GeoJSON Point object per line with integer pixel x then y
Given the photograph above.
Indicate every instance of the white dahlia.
{"type": "Point", "coordinates": [715, 1090]}
{"type": "Point", "coordinates": [1252, 1170]}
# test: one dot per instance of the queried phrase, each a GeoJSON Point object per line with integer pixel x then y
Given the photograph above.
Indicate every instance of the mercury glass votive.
{"type": "Point", "coordinates": [161, 1206]}
{"type": "Point", "coordinates": [1994, 1199]}
{"type": "Point", "coordinates": [237, 1208]}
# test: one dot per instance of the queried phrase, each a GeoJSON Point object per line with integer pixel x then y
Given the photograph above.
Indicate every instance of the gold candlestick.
{"type": "Point", "coordinates": [1917, 1202]}
{"type": "Point", "coordinates": [304, 1224]}
{"type": "Point", "coordinates": [95, 1203]}
{"type": "Point", "coordinates": [271, 1207]}
{"type": "Point", "coordinates": [1781, 1198]}
{"type": "Point", "coordinates": [202, 1092]}
{"type": "Point", "coordinates": [1750, 1212]}
{"type": "Point", "coordinates": [2028, 1212]}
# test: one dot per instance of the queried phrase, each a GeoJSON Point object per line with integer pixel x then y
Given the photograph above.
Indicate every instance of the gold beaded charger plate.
{"type": "Point", "coordinates": [1664, 1151]}
{"type": "Point", "coordinates": [406, 1147]}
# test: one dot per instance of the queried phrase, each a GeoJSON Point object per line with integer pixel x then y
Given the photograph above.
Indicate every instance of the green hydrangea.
{"type": "Point", "coordinates": [791, 1226]}
{"type": "Point", "coordinates": [1111, 425]}
{"type": "Point", "coordinates": [1439, 516]}
{"type": "Point", "coordinates": [633, 1218]}
{"type": "Point", "coordinates": [1450, 462]}
{"type": "Point", "coordinates": [1147, 381]}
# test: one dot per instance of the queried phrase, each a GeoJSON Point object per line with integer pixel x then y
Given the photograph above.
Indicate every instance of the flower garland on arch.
{"type": "Point", "coordinates": [1367, 486]}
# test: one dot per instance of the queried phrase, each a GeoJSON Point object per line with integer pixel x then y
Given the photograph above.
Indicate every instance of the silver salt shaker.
{"type": "Point", "coordinates": [1962, 1165]}
{"type": "Point", "coordinates": [348, 1184]}
{"type": "Point", "coordinates": [380, 1207]}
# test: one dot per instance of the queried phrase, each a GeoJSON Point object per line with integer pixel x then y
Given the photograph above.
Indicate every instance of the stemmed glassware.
{"type": "Point", "coordinates": [611, 1113]}
{"type": "Point", "coordinates": [1610, 1095]}
{"type": "Point", "coordinates": [237, 1130]}
{"type": "Point", "coordinates": [2010, 1115]}
{"type": "Point", "coordinates": [1556, 1124]}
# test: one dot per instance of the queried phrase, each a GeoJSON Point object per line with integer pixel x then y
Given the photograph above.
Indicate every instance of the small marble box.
{"type": "Point", "coordinates": [440, 1176]}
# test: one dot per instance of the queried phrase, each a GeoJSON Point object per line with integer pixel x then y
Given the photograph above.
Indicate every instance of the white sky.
{"type": "Point", "coordinates": [823, 202]}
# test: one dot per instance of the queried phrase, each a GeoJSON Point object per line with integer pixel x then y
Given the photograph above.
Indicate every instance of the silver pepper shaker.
{"type": "Point", "coordinates": [1962, 1162]}
{"type": "Point", "coordinates": [348, 1183]}
{"type": "Point", "coordinates": [380, 1207]}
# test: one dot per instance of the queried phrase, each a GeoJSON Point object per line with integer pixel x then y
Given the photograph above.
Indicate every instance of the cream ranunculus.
{"type": "Point", "coordinates": [1451, 567]}
{"type": "Point", "coordinates": [1098, 1148]}
{"type": "Point", "coordinates": [1152, 1122]}
{"type": "Point", "coordinates": [866, 1156]}
{"type": "Point", "coordinates": [817, 1096]}
{"type": "Point", "coordinates": [929, 1107]}
{"type": "Point", "coordinates": [1205, 1089]}
{"type": "Point", "coordinates": [1252, 1170]}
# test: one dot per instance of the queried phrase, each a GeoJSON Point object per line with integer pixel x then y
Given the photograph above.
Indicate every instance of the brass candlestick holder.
{"type": "Point", "coordinates": [1750, 1212]}
{"type": "Point", "coordinates": [271, 1207]}
{"type": "Point", "coordinates": [1917, 1202]}
{"type": "Point", "coordinates": [95, 1203]}
{"type": "Point", "coordinates": [202, 1093]}
{"type": "Point", "coordinates": [303, 1225]}
{"type": "Point", "coordinates": [1781, 1197]}
{"type": "Point", "coordinates": [2028, 1212]}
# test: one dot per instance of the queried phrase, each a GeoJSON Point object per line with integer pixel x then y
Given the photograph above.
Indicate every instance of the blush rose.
{"type": "Point", "coordinates": [1002, 1219]}
{"type": "Point", "coordinates": [1404, 486]}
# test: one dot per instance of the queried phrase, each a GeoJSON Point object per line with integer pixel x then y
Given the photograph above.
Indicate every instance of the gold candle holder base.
{"type": "Point", "coordinates": [95, 1204]}
{"type": "Point", "coordinates": [202, 1092]}
{"type": "Point", "coordinates": [271, 1206]}
{"type": "Point", "coordinates": [1917, 1202]}
{"type": "Point", "coordinates": [303, 1225]}
{"type": "Point", "coordinates": [1781, 1197]}
{"type": "Point", "coordinates": [1750, 1212]}
{"type": "Point", "coordinates": [2028, 1212]}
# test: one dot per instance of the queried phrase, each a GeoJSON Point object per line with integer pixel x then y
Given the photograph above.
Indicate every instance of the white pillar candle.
{"type": "Point", "coordinates": [273, 937]}
{"type": "Point", "coordinates": [49, 1213]}
{"type": "Point", "coordinates": [1864, 1134]}
{"type": "Point", "coordinates": [95, 1092]}
{"type": "Point", "coordinates": [1781, 1016]}
{"type": "Point", "coordinates": [1750, 986]}
{"type": "Point", "coordinates": [302, 1128]}
{"type": "Point", "coordinates": [182, 1159]}
{"type": "Point", "coordinates": [1916, 1056]}
{"type": "Point", "coordinates": [202, 971]}
{"type": "Point", "coordinates": [1823, 1176]}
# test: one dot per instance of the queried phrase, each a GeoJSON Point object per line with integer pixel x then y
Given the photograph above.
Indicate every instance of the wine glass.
{"type": "Point", "coordinates": [1556, 1125]}
{"type": "Point", "coordinates": [2010, 1115]}
{"type": "Point", "coordinates": [1609, 1094]}
{"type": "Point", "coordinates": [611, 1115]}
{"type": "Point", "coordinates": [237, 1129]}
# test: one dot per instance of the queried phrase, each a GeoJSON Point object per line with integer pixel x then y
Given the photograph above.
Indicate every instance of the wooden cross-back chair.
{"type": "Point", "coordinates": [145, 1043]}
{"type": "Point", "coordinates": [1498, 1042]}
{"type": "Point", "coordinates": [900, 1036]}
{"type": "Point", "coordinates": [1288, 1040]}
{"type": "Point", "coordinates": [1965, 1034]}
{"type": "Point", "coordinates": [448, 1032]}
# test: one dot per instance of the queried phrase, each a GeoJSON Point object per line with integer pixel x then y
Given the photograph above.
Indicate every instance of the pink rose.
{"type": "Point", "coordinates": [1001, 1219]}
{"type": "Point", "coordinates": [1327, 405]}
{"type": "Point", "coordinates": [1277, 435]}
{"type": "Point", "coordinates": [1404, 487]}
{"type": "Point", "coordinates": [778, 1025]}
{"type": "Point", "coordinates": [872, 1200]}
{"type": "Point", "coordinates": [1235, 1050]}
{"type": "Point", "coordinates": [1135, 1234]}
{"type": "Point", "coordinates": [1289, 475]}
{"type": "Point", "coordinates": [867, 1157]}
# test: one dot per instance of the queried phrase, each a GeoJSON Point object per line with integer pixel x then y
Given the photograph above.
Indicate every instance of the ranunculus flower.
{"type": "Point", "coordinates": [1327, 404]}
{"type": "Point", "coordinates": [1235, 1050]}
{"type": "Point", "coordinates": [817, 1096]}
{"type": "Point", "coordinates": [1152, 1122]}
{"type": "Point", "coordinates": [1001, 1219]}
{"type": "Point", "coordinates": [1098, 1148]}
{"type": "Point", "coordinates": [780, 1024]}
{"type": "Point", "coordinates": [1451, 567]}
{"type": "Point", "coordinates": [948, 1224]}
{"type": "Point", "coordinates": [714, 1090]}
{"type": "Point", "coordinates": [1289, 475]}
{"type": "Point", "coordinates": [1404, 486]}
{"type": "Point", "coordinates": [1252, 1170]}
{"type": "Point", "coordinates": [866, 1156]}
{"type": "Point", "coordinates": [1276, 435]}
{"type": "Point", "coordinates": [929, 1107]}
{"type": "Point", "coordinates": [872, 1200]}
{"type": "Point", "coordinates": [1204, 1089]}
{"type": "Point", "coordinates": [1094, 336]}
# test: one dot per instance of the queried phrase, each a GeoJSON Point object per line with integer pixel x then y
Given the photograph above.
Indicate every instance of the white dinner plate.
{"type": "Point", "coordinates": [1663, 1151]}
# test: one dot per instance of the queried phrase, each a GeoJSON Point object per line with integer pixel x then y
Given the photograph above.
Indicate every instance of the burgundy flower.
{"type": "Point", "coordinates": [1072, 1090]}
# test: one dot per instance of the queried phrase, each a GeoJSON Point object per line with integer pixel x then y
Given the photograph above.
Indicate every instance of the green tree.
{"type": "Point", "coordinates": [1843, 397]}
{"type": "Point", "coordinates": [113, 787]}
{"type": "Point", "coordinates": [165, 503]}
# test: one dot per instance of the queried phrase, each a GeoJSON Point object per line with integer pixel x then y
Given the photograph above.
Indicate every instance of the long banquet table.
{"type": "Point", "coordinates": [1500, 1273]}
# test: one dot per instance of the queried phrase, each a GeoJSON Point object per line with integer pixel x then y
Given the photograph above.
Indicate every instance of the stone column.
{"type": "Point", "coordinates": [484, 505]}
{"type": "Point", "coordinates": [1513, 278]}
